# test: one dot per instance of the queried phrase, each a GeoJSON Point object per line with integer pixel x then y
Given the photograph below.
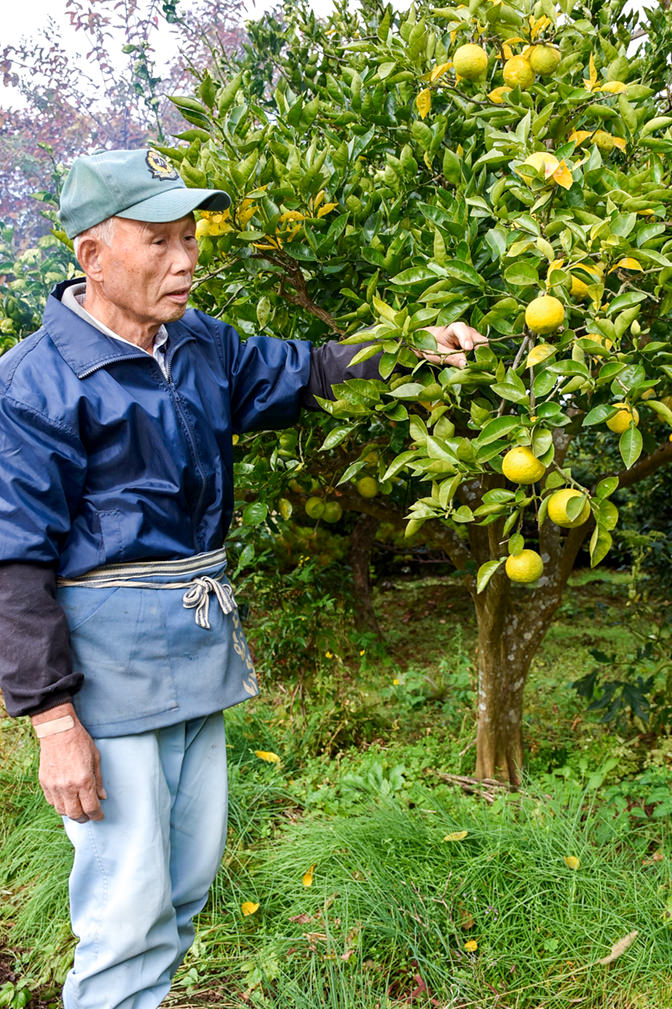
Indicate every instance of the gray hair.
{"type": "Point", "coordinates": [102, 232]}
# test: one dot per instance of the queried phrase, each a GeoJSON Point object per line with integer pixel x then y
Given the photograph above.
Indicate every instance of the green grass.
{"type": "Point", "coordinates": [365, 744]}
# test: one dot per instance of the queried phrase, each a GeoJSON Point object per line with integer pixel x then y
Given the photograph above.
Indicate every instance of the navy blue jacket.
{"type": "Point", "coordinates": [104, 460]}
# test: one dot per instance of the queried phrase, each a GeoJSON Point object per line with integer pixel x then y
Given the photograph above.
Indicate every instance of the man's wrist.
{"type": "Point", "coordinates": [53, 726]}
{"type": "Point", "coordinates": [58, 719]}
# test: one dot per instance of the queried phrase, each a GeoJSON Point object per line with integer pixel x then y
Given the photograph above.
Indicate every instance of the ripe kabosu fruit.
{"type": "Point", "coordinates": [470, 61]}
{"type": "Point", "coordinates": [520, 465]}
{"type": "Point", "coordinates": [544, 60]}
{"type": "Point", "coordinates": [524, 567]}
{"type": "Point", "coordinates": [544, 314]}
{"type": "Point", "coordinates": [518, 73]}
{"type": "Point", "coordinates": [621, 420]}
{"type": "Point", "coordinates": [579, 288]}
{"type": "Point", "coordinates": [557, 508]}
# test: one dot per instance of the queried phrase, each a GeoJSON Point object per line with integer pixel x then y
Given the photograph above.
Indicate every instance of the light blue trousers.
{"type": "Point", "coordinates": [142, 873]}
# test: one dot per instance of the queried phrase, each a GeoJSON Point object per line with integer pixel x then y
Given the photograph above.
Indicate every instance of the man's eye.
{"type": "Point", "coordinates": [159, 241]}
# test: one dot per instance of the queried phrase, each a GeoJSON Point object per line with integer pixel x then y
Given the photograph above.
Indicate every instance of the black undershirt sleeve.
{"type": "Point", "coordinates": [330, 365]}
{"type": "Point", "coordinates": [35, 663]}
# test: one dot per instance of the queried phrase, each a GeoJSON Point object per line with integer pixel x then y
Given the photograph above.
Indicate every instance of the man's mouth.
{"type": "Point", "coordinates": [181, 296]}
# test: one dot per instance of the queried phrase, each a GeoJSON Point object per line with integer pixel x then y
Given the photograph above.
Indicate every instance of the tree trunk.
{"type": "Point", "coordinates": [502, 670]}
{"type": "Point", "coordinates": [361, 544]}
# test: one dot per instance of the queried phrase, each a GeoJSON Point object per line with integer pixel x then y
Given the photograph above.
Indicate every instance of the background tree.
{"type": "Point", "coordinates": [112, 95]}
{"type": "Point", "coordinates": [503, 163]}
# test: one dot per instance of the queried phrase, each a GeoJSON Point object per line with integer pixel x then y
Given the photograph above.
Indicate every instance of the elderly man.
{"type": "Point", "coordinates": [121, 638]}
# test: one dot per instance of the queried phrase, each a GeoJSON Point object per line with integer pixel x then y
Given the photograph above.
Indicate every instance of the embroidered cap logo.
{"type": "Point", "coordinates": [159, 167]}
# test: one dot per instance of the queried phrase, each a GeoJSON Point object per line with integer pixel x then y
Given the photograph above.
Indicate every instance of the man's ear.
{"type": "Point", "coordinates": [89, 258]}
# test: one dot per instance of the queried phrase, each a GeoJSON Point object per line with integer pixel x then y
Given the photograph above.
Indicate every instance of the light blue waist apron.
{"type": "Point", "coordinates": [157, 642]}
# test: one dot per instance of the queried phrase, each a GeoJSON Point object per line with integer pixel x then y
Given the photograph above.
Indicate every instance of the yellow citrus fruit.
{"type": "Point", "coordinates": [314, 507]}
{"type": "Point", "coordinates": [470, 61]}
{"type": "Point", "coordinates": [518, 73]}
{"type": "Point", "coordinates": [497, 94]}
{"type": "Point", "coordinates": [579, 288]}
{"type": "Point", "coordinates": [544, 60]}
{"type": "Point", "coordinates": [604, 141]}
{"type": "Point", "coordinates": [202, 228]}
{"type": "Point", "coordinates": [367, 486]}
{"type": "Point", "coordinates": [540, 353]}
{"type": "Point", "coordinates": [544, 314]}
{"type": "Point", "coordinates": [524, 567]}
{"type": "Point", "coordinates": [520, 465]}
{"type": "Point", "coordinates": [557, 508]}
{"type": "Point", "coordinates": [621, 420]}
{"type": "Point", "coordinates": [332, 511]}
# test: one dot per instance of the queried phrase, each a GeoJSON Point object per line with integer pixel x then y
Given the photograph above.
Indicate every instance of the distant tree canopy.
{"type": "Point", "coordinates": [114, 95]}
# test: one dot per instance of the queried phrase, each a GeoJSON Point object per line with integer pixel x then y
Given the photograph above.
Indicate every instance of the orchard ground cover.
{"type": "Point", "coordinates": [370, 877]}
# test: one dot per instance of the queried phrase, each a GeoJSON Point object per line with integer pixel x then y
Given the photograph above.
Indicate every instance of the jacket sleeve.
{"type": "Point", "coordinates": [329, 365]}
{"type": "Point", "coordinates": [267, 376]}
{"type": "Point", "coordinates": [42, 471]}
{"type": "Point", "coordinates": [42, 468]}
{"type": "Point", "coordinates": [35, 665]}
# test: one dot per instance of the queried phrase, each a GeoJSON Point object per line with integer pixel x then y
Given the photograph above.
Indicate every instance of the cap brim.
{"type": "Point", "coordinates": [176, 203]}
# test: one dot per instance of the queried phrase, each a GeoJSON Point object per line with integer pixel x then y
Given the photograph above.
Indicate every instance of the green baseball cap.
{"type": "Point", "coordinates": [139, 185]}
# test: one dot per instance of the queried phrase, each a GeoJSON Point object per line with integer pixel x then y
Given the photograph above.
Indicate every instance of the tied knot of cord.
{"type": "Point", "coordinates": [197, 597]}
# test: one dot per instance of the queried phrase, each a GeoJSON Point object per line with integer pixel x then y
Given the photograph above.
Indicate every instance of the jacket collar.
{"type": "Point", "coordinates": [85, 348]}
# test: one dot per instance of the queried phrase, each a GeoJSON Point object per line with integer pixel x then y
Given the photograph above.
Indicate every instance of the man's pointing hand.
{"type": "Point", "coordinates": [452, 344]}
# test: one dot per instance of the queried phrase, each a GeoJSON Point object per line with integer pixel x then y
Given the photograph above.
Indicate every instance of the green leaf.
{"type": "Point", "coordinates": [498, 496]}
{"type": "Point", "coordinates": [336, 436]}
{"type": "Point", "coordinates": [255, 513]}
{"type": "Point", "coordinates": [627, 300]}
{"type": "Point", "coordinates": [658, 123]}
{"type": "Point", "coordinates": [409, 390]}
{"type": "Point", "coordinates": [516, 544]}
{"type": "Point", "coordinates": [660, 408]}
{"type": "Point", "coordinates": [630, 446]}
{"type": "Point", "coordinates": [497, 428]}
{"type": "Point", "coordinates": [606, 487]}
{"type": "Point", "coordinates": [463, 514]}
{"type": "Point", "coordinates": [485, 573]}
{"type": "Point", "coordinates": [414, 275]}
{"type": "Point", "coordinates": [365, 353]}
{"type": "Point", "coordinates": [246, 557]}
{"type": "Point", "coordinates": [462, 271]}
{"type": "Point", "coordinates": [600, 544]}
{"type": "Point", "coordinates": [398, 464]}
{"type": "Point", "coordinates": [521, 274]}
{"type": "Point", "coordinates": [352, 470]}
{"type": "Point", "coordinates": [598, 414]}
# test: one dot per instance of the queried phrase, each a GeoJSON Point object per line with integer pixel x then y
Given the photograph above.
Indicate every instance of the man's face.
{"type": "Point", "coordinates": [147, 269]}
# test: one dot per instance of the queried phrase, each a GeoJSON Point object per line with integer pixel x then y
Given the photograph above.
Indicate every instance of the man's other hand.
{"type": "Point", "coordinates": [458, 337]}
{"type": "Point", "coordinates": [70, 768]}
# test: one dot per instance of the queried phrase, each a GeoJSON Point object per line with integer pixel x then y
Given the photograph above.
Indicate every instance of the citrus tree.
{"type": "Point", "coordinates": [505, 164]}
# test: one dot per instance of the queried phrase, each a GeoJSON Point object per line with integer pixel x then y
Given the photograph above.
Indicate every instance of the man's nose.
{"type": "Point", "coordinates": [183, 260]}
